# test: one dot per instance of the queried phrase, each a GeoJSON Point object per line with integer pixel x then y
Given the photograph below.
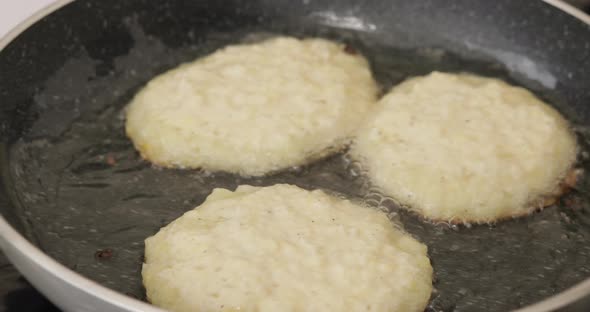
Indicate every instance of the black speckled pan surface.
{"type": "Point", "coordinates": [74, 185]}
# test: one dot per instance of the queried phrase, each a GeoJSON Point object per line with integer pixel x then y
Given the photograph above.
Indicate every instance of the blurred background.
{"type": "Point", "coordinates": [584, 4]}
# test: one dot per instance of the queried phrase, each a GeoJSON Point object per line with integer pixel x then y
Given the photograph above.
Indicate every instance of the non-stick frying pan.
{"type": "Point", "coordinates": [77, 201]}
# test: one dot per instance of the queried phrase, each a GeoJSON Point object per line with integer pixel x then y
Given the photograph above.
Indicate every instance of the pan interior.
{"type": "Point", "coordinates": [80, 188]}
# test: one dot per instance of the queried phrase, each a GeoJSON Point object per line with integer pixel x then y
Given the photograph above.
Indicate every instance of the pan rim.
{"type": "Point", "coordinates": [581, 289]}
{"type": "Point", "coordinates": [9, 237]}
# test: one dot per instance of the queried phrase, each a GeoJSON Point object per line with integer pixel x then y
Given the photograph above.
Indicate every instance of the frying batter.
{"type": "Point", "coordinates": [253, 108]}
{"type": "Point", "coordinates": [282, 248]}
{"type": "Point", "coordinates": [463, 148]}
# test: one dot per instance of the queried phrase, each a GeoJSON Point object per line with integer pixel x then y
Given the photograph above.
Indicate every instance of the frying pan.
{"type": "Point", "coordinates": [77, 201]}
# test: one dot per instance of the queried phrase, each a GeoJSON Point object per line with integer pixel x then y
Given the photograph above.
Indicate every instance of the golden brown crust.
{"type": "Point", "coordinates": [564, 187]}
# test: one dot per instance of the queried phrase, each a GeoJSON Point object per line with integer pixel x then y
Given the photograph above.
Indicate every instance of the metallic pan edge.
{"type": "Point", "coordinates": [61, 284]}
{"type": "Point", "coordinates": [41, 266]}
